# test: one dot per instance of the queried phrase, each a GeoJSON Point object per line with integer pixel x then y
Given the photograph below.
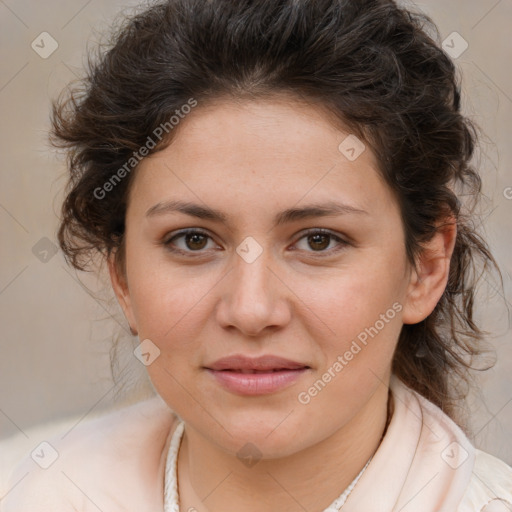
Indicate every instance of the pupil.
{"type": "Point", "coordinates": [194, 237]}
{"type": "Point", "coordinates": [315, 239]}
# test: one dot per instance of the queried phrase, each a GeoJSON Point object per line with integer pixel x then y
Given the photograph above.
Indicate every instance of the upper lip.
{"type": "Point", "coordinates": [267, 362]}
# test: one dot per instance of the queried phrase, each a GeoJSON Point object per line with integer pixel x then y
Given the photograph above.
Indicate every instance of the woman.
{"type": "Point", "coordinates": [275, 187]}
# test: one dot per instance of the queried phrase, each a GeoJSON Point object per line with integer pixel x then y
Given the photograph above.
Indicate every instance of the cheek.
{"type": "Point", "coordinates": [164, 295]}
{"type": "Point", "coordinates": [356, 314]}
{"type": "Point", "coordinates": [364, 311]}
{"type": "Point", "coordinates": [354, 296]}
{"type": "Point", "coordinates": [164, 306]}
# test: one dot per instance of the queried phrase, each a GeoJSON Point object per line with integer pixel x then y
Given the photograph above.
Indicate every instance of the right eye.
{"type": "Point", "coordinates": [194, 240]}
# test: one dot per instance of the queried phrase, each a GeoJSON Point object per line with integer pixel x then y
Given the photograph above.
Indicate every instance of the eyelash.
{"type": "Point", "coordinates": [314, 231]}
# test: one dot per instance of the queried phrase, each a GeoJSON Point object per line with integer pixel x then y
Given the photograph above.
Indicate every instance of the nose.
{"type": "Point", "coordinates": [254, 298]}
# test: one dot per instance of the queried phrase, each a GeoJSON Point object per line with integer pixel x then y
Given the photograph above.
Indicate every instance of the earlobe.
{"type": "Point", "coordinates": [120, 287]}
{"type": "Point", "coordinates": [430, 277]}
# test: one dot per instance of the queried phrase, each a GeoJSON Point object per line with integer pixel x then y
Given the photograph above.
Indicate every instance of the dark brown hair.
{"type": "Point", "coordinates": [369, 62]}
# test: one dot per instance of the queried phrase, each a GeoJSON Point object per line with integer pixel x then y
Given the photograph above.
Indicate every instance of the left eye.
{"type": "Point", "coordinates": [320, 240]}
{"type": "Point", "coordinates": [196, 240]}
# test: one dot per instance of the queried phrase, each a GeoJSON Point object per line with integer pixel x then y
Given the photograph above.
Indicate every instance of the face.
{"type": "Point", "coordinates": [327, 291]}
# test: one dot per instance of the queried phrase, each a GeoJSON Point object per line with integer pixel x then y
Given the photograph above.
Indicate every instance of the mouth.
{"type": "Point", "coordinates": [240, 363]}
{"type": "Point", "coordinates": [270, 370]}
{"type": "Point", "coordinates": [256, 376]}
{"type": "Point", "coordinates": [254, 382]}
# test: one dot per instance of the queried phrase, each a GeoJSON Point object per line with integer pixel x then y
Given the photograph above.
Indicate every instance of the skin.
{"type": "Point", "coordinates": [252, 160]}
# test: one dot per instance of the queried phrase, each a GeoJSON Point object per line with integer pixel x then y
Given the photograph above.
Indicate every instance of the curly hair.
{"type": "Point", "coordinates": [371, 63]}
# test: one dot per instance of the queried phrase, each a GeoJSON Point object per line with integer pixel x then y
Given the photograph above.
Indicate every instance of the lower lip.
{"type": "Point", "coordinates": [256, 383]}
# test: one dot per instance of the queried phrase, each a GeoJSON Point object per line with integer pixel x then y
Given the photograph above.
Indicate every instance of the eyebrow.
{"type": "Point", "coordinates": [325, 209]}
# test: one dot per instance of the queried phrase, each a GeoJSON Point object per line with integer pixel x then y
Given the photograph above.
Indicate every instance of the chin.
{"type": "Point", "coordinates": [273, 434]}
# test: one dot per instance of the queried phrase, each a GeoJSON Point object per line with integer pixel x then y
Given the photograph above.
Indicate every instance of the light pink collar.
{"type": "Point", "coordinates": [424, 463]}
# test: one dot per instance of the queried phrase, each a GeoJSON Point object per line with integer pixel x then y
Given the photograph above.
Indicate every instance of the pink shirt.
{"type": "Point", "coordinates": [425, 463]}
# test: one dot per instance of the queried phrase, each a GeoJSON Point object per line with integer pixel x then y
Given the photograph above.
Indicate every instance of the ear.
{"type": "Point", "coordinates": [120, 286]}
{"type": "Point", "coordinates": [430, 277]}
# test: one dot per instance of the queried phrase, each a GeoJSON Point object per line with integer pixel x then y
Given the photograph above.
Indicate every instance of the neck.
{"type": "Point", "coordinates": [211, 480]}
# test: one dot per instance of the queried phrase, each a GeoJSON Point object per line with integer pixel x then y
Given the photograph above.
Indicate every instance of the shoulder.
{"type": "Point", "coordinates": [117, 454]}
{"type": "Point", "coordinates": [490, 487]}
{"type": "Point", "coordinates": [483, 484]}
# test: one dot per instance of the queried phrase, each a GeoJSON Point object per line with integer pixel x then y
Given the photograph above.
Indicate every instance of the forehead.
{"type": "Point", "coordinates": [279, 126]}
{"type": "Point", "coordinates": [272, 147]}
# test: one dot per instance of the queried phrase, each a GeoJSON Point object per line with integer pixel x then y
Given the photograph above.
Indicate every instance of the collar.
{"type": "Point", "coordinates": [423, 464]}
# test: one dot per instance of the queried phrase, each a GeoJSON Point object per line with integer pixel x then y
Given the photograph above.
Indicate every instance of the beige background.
{"type": "Point", "coordinates": [56, 337]}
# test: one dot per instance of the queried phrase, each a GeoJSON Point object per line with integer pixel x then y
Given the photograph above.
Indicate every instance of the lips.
{"type": "Point", "coordinates": [239, 370]}
{"type": "Point", "coordinates": [263, 375]}
{"type": "Point", "coordinates": [263, 364]}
